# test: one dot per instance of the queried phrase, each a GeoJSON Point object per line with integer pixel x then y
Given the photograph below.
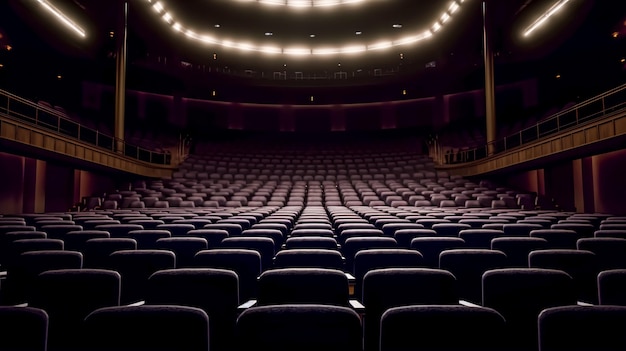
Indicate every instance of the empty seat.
{"type": "Point", "coordinates": [582, 328]}
{"type": "Point", "coordinates": [135, 267]}
{"type": "Point", "coordinates": [579, 264]}
{"type": "Point", "coordinates": [311, 243]}
{"type": "Point", "coordinates": [518, 248]}
{"type": "Point", "coordinates": [610, 252]}
{"type": "Point", "coordinates": [264, 246]}
{"type": "Point", "coordinates": [612, 287]}
{"type": "Point", "coordinates": [470, 328]}
{"type": "Point", "coordinates": [520, 294]}
{"type": "Point", "coordinates": [431, 247]}
{"type": "Point", "coordinates": [96, 251]}
{"type": "Point", "coordinates": [468, 266]}
{"type": "Point", "coordinates": [163, 328]}
{"type": "Point", "coordinates": [246, 263]}
{"type": "Point", "coordinates": [215, 291]}
{"type": "Point", "coordinates": [303, 286]}
{"type": "Point", "coordinates": [75, 241]}
{"type": "Point", "coordinates": [23, 328]}
{"type": "Point", "coordinates": [558, 238]}
{"type": "Point", "coordinates": [299, 327]}
{"type": "Point", "coordinates": [393, 287]}
{"type": "Point", "coordinates": [311, 258]}
{"type": "Point", "coordinates": [185, 248]}
{"type": "Point", "coordinates": [370, 259]}
{"type": "Point", "coordinates": [356, 244]}
{"type": "Point", "coordinates": [479, 238]}
{"type": "Point", "coordinates": [68, 296]}
{"type": "Point", "coordinates": [22, 275]}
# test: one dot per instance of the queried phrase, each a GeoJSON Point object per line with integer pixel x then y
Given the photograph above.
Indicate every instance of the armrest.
{"type": "Point", "coordinates": [351, 283]}
{"type": "Point", "coordinates": [135, 304]}
{"type": "Point", "coordinates": [246, 305]}
{"type": "Point", "coordinates": [3, 274]}
{"type": "Point", "coordinates": [25, 304]}
{"type": "Point", "coordinates": [582, 303]}
{"type": "Point", "coordinates": [357, 306]}
{"type": "Point", "coordinates": [468, 304]}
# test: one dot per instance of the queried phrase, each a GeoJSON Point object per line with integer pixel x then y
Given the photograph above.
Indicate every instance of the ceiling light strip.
{"type": "Point", "coordinates": [443, 19]}
{"type": "Point", "coordinates": [62, 18]}
{"type": "Point", "coordinates": [543, 18]}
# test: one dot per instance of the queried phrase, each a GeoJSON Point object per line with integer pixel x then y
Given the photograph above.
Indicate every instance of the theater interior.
{"type": "Point", "coordinates": [367, 175]}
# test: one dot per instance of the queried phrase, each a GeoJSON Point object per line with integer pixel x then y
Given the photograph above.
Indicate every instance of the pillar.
{"type": "Point", "coordinates": [490, 95]}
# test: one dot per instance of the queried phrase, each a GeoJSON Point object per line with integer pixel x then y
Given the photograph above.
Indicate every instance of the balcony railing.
{"type": "Point", "coordinates": [604, 104]}
{"type": "Point", "coordinates": [29, 112]}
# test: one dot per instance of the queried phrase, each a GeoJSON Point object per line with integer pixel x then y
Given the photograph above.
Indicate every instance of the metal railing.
{"type": "Point", "coordinates": [604, 104]}
{"type": "Point", "coordinates": [26, 111]}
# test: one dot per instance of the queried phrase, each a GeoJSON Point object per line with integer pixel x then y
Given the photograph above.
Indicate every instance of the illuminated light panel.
{"type": "Point", "coordinates": [543, 18]}
{"type": "Point", "coordinates": [301, 51]}
{"type": "Point", "coordinates": [63, 18]}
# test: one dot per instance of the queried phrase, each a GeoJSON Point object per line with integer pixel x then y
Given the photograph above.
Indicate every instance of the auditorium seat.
{"type": "Point", "coordinates": [68, 296]}
{"type": "Point", "coordinates": [163, 328]}
{"type": "Point", "coordinates": [431, 248]}
{"type": "Point", "coordinates": [370, 259]}
{"type": "Point", "coordinates": [612, 287]}
{"type": "Point", "coordinates": [185, 248]}
{"type": "Point", "coordinates": [579, 264]}
{"type": "Point", "coordinates": [246, 263]}
{"type": "Point", "coordinates": [582, 328]}
{"type": "Point", "coordinates": [518, 248]}
{"type": "Point", "coordinates": [467, 328]}
{"type": "Point", "coordinates": [23, 328]}
{"type": "Point", "coordinates": [135, 267]}
{"type": "Point", "coordinates": [299, 327]}
{"type": "Point", "coordinates": [520, 294]}
{"type": "Point", "coordinates": [610, 252]}
{"type": "Point", "coordinates": [468, 266]}
{"type": "Point", "coordinates": [96, 251]}
{"type": "Point", "coordinates": [215, 291]}
{"type": "Point", "coordinates": [393, 287]}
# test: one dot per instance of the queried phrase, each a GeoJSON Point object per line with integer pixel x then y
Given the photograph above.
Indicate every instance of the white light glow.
{"type": "Point", "coordinates": [543, 18]}
{"type": "Point", "coordinates": [63, 18]}
{"type": "Point", "coordinates": [297, 51]}
{"type": "Point", "coordinates": [304, 51]}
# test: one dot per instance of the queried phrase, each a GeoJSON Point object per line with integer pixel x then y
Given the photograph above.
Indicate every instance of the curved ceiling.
{"type": "Point", "coordinates": [320, 38]}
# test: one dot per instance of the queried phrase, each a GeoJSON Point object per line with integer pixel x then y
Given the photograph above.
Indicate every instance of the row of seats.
{"type": "Point", "coordinates": [80, 309]}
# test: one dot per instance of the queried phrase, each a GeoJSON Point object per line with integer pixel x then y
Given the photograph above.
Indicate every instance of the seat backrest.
{"type": "Point", "coordinates": [215, 291]}
{"type": "Point", "coordinates": [468, 266]}
{"type": "Point", "coordinates": [302, 286]}
{"type": "Point", "coordinates": [470, 328]}
{"type": "Point", "coordinates": [163, 328]}
{"type": "Point", "coordinates": [520, 294]}
{"type": "Point", "coordinates": [518, 248]}
{"type": "Point", "coordinates": [309, 258]}
{"type": "Point", "coordinates": [136, 266]}
{"type": "Point", "coordinates": [582, 328]}
{"type": "Point", "coordinates": [579, 264]}
{"type": "Point", "coordinates": [612, 287]}
{"type": "Point", "coordinates": [299, 327]}
{"type": "Point", "coordinates": [246, 263]}
{"type": "Point", "coordinates": [431, 247]}
{"type": "Point", "coordinates": [68, 296]}
{"type": "Point", "coordinates": [23, 328]}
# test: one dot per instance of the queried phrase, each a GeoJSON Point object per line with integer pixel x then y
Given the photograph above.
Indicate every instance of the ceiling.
{"type": "Point", "coordinates": [324, 37]}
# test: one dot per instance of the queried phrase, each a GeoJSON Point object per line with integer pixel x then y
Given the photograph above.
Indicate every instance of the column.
{"type": "Point", "coordinates": [120, 80]}
{"type": "Point", "coordinates": [490, 96]}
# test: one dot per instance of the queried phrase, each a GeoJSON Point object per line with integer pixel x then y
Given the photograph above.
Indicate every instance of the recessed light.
{"type": "Point", "coordinates": [358, 32]}
{"type": "Point", "coordinates": [397, 26]}
{"type": "Point", "coordinates": [217, 26]}
{"type": "Point", "coordinates": [312, 36]}
{"type": "Point", "coordinates": [268, 34]}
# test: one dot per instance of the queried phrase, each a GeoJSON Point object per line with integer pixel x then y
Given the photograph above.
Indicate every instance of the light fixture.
{"type": "Point", "coordinates": [544, 17]}
{"type": "Point", "coordinates": [623, 60]}
{"type": "Point", "coordinates": [615, 34]}
{"type": "Point", "coordinates": [62, 18]}
{"type": "Point", "coordinates": [302, 50]}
